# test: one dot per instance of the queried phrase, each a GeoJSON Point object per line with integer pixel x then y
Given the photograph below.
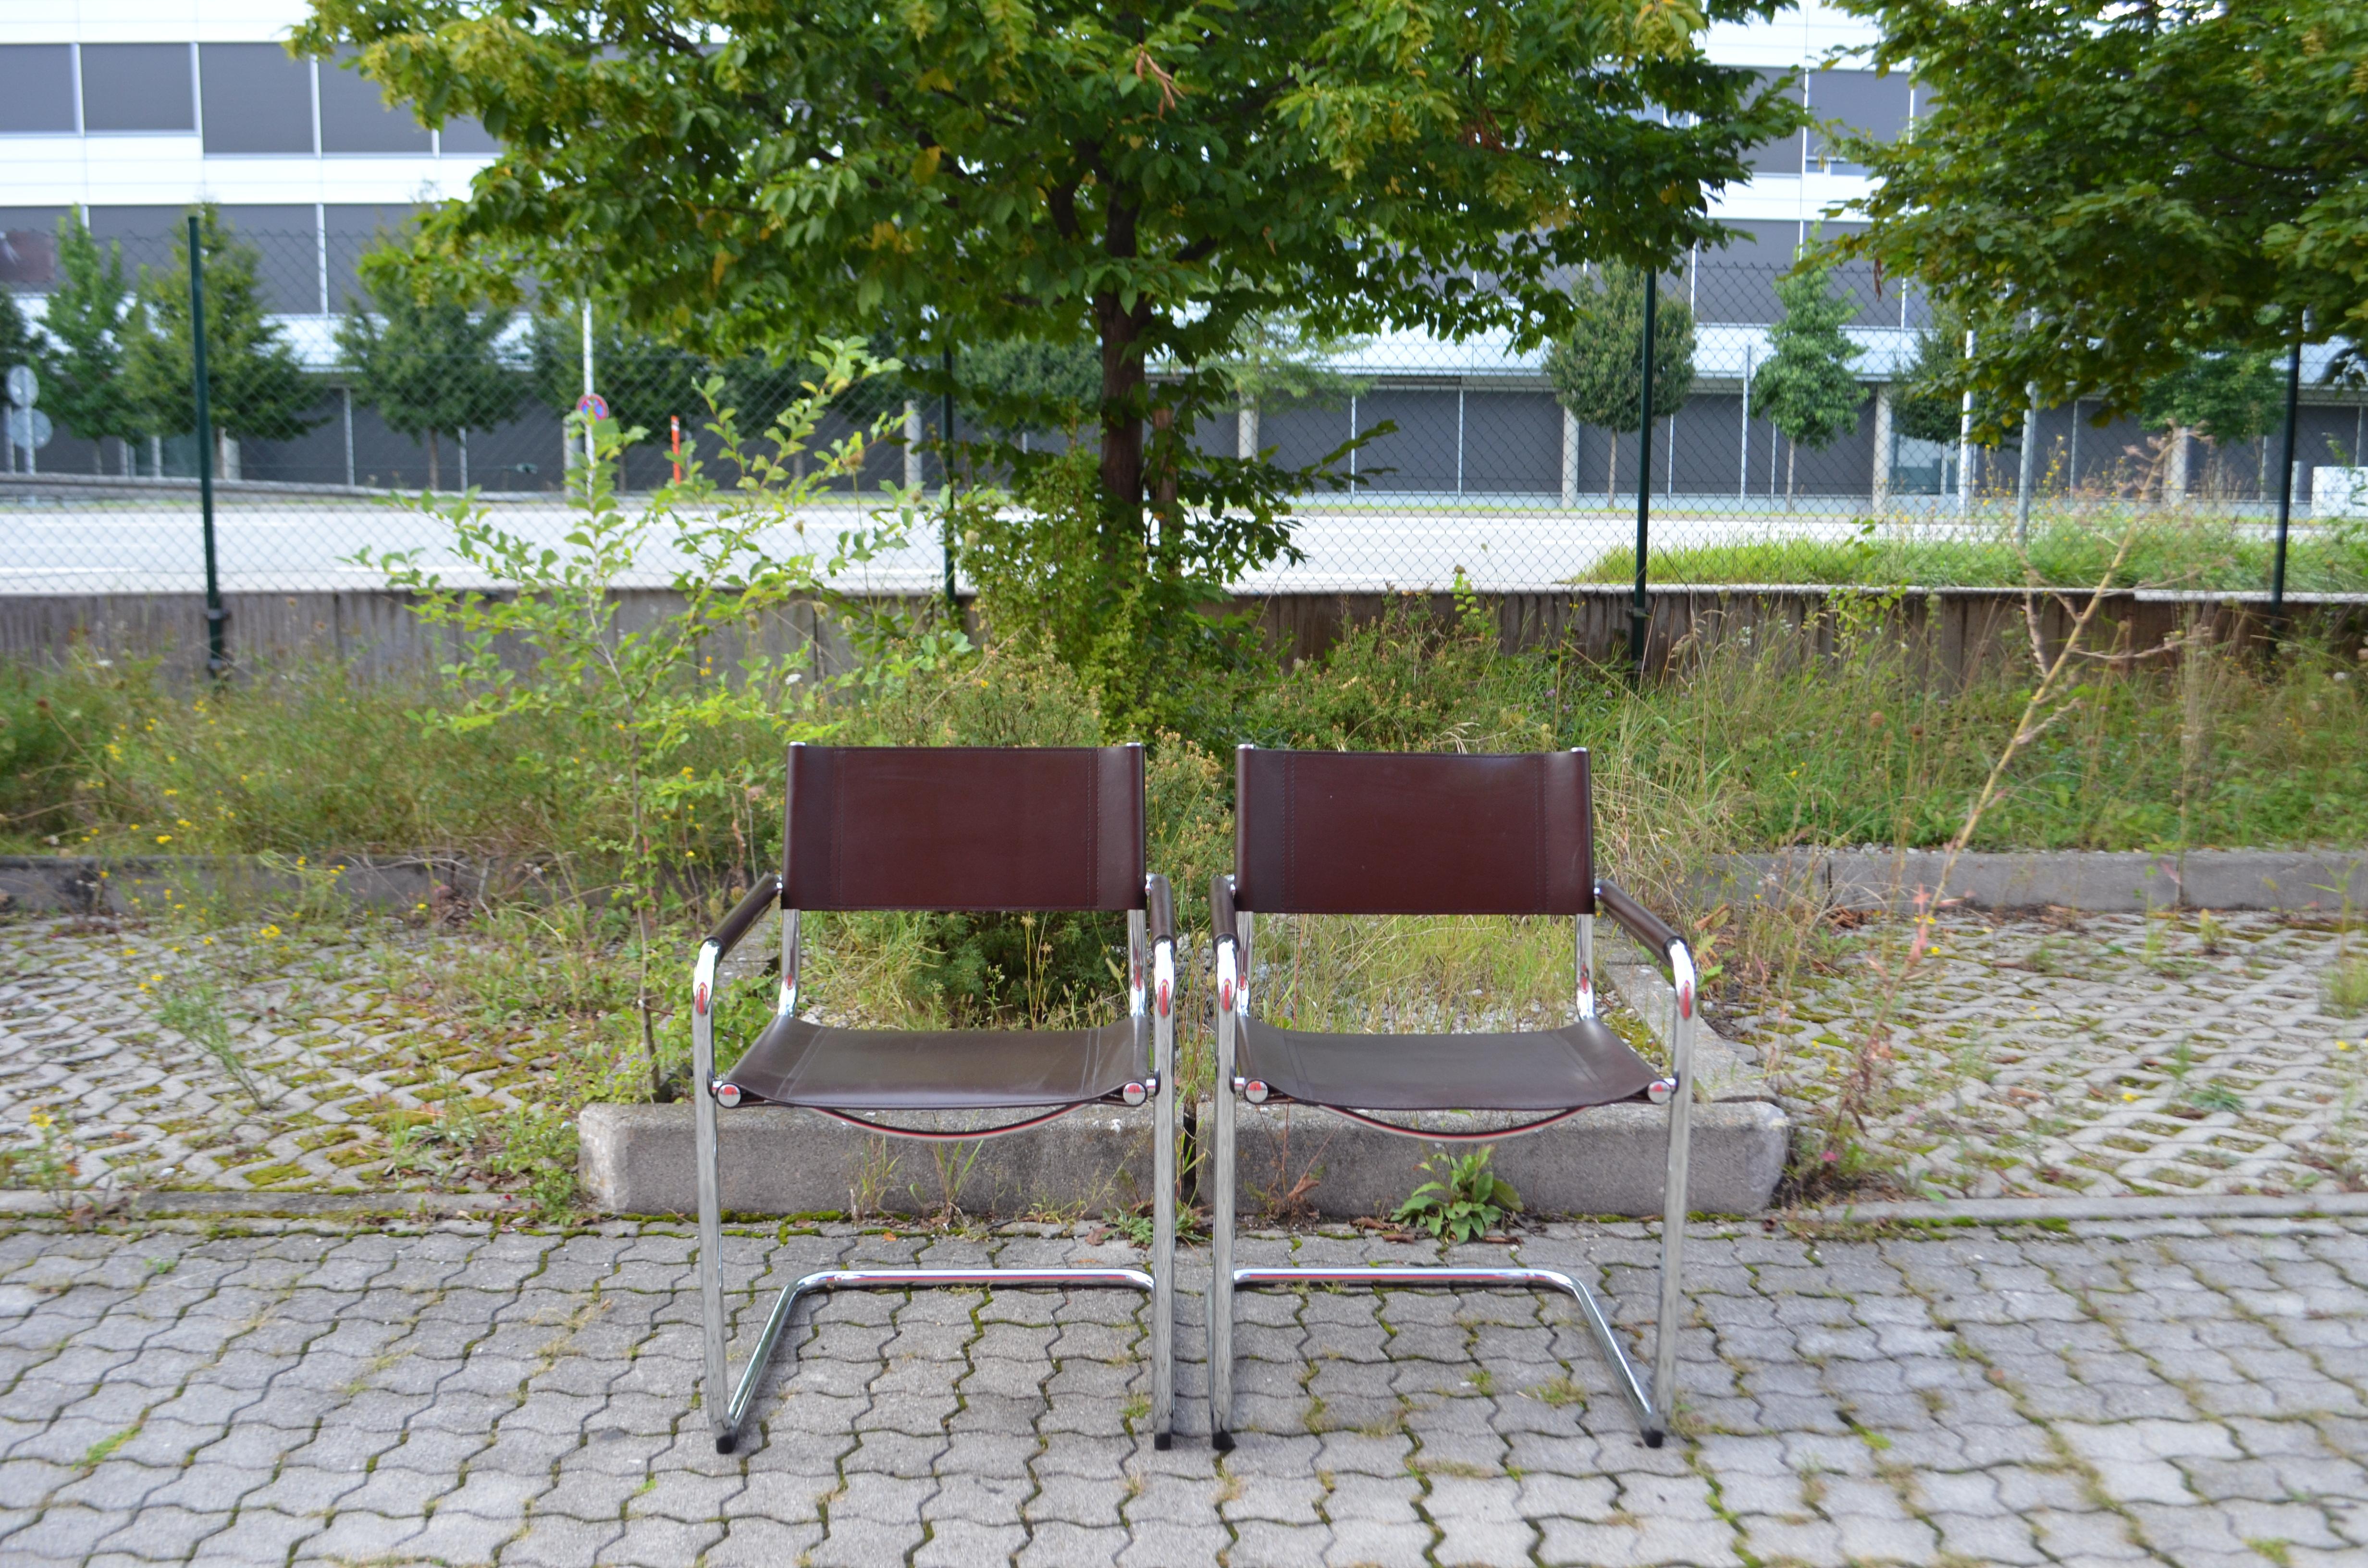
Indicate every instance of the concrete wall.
{"type": "Point", "coordinates": [1956, 632]}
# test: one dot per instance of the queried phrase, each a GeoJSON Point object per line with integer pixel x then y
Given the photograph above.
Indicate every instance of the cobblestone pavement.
{"type": "Point", "coordinates": [2104, 1055]}
{"type": "Point", "coordinates": [335, 1059]}
{"type": "Point", "coordinates": [2098, 1393]}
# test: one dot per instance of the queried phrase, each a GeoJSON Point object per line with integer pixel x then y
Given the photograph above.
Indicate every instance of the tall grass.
{"type": "Point", "coordinates": [2178, 550]}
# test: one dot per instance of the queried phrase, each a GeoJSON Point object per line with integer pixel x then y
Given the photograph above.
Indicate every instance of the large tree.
{"type": "Point", "coordinates": [82, 368]}
{"type": "Point", "coordinates": [2106, 190]}
{"type": "Point", "coordinates": [761, 173]}
{"type": "Point", "coordinates": [1598, 371]}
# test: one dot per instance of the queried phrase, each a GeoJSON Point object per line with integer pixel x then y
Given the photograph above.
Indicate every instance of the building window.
{"type": "Point", "coordinates": [257, 98]}
{"type": "Point", "coordinates": [1784, 155]}
{"type": "Point", "coordinates": [37, 89]}
{"type": "Point", "coordinates": [138, 86]}
{"type": "Point", "coordinates": [1860, 101]}
{"type": "Point", "coordinates": [356, 118]}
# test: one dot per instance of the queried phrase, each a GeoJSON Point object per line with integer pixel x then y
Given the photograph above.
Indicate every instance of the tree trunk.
{"type": "Point", "coordinates": [1122, 383]}
{"type": "Point", "coordinates": [434, 476]}
{"type": "Point", "coordinates": [1611, 468]}
{"type": "Point", "coordinates": [1792, 457]}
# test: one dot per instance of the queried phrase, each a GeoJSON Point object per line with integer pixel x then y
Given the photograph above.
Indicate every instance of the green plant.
{"type": "Point", "coordinates": [1463, 1200]}
{"type": "Point", "coordinates": [427, 366]}
{"type": "Point", "coordinates": [192, 1008]}
{"type": "Point", "coordinates": [2347, 985]}
{"type": "Point", "coordinates": [1595, 370]}
{"type": "Point", "coordinates": [626, 701]}
{"type": "Point", "coordinates": [83, 320]}
{"type": "Point", "coordinates": [257, 387]}
{"type": "Point", "coordinates": [2217, 1096]}
{"type": "Point", "coordinates": [1807, 388]}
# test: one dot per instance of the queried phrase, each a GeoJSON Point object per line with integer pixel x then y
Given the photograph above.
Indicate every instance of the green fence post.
{"type": "Point", "coordinates": [2285, 493]}
{"type": "Point", "coordinates": [1639, 609]}
{"type": "Point", "coordinates": [946, 463]}
{"type": "Point", "coordinates": [217, 662]}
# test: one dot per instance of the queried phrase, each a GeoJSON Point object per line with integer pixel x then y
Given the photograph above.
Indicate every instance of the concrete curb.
{"type": "Point", "coordinates": [2097, 881]}
{"type": "Point", "coordinates": [28, 1202]}
{"type": "Point", "coordinates": [2094, 882]}
{"type": "Point", "coordinates": [2027, 1210]}
{"type": "Point", "coordinates": [638, 1160]}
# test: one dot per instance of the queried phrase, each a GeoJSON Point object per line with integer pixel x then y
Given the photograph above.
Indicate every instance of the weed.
{"type": "Point", "coordinates": [1463, 1200]}
{"type": "Point", "coordinates": [99, 1450]}
{"type": "Point", "coordinates": [192, 1008]}
{"type": "Point", "coordinates": [2217, 1096]}
{"type": "Point", "coordinates": [2276, 1550]}
{"type": "Point", "coordinates": [2347, 985]}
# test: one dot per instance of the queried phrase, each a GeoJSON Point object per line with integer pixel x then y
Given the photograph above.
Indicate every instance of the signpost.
{"type": "Point", "coordinates": [28, 426]}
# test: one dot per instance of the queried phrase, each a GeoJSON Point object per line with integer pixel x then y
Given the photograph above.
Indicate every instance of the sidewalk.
{"type": "Point", "coordinates": [2109, 1391]}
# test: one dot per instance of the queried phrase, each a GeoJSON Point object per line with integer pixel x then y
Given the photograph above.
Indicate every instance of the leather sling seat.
{"type": "Point", "coordinates": [1582, 1064]}
{"type": "Point", "coordinates": [798, 1062]}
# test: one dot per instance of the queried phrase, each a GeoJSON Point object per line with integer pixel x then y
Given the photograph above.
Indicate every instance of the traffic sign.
{"type": "Point", "coordinates": [29, 427]}
{"type": "Point", "coordinates": [24, 386]}
{"type": "Point", "coordinates": [594, 404]}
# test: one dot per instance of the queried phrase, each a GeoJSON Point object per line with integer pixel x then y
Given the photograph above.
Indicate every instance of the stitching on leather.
{"type": "Point", "coordinates": [1094, 821]}
{"type": "Point", "coordinates": [1544, 841]}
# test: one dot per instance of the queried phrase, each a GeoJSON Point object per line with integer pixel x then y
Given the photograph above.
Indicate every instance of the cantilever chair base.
{"type": "Point", "coordinates": [727, 1431]}
{"type": "Point", "coordinates": [1653, 1418]}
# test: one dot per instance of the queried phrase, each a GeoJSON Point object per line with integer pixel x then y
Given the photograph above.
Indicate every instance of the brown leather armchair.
{"type": "Point", "coordinates": [950, 828]}
{"type": "Point", "coordinates": [1366, 833]}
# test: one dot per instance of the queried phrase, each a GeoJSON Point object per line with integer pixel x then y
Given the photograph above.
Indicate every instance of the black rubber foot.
{"type": "Point", "coordinates": [1222, 1442]}
{"type": "Point", "coordinates": [1162, 1442]}
{"type": "Point", "coordinates": [1655, 1439]}
{"type": "Point", "coordinates": [727, 1443]}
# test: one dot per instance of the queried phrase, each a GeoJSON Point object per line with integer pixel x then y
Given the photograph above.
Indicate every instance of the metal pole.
{"type": "Point", "coordinates": [217, 663]}
{"type": "Point", "coordinates": [946, 468]}
{"type": "Point", "coordinates": [2024, 480]}
{"type": "Point", "coordinates": [1639, 611]}
{"type": "Point", "coordinates": [588, 450]}
{"type": "Point", "coordinates": [1965, 437]}
{"type": "Point", "coordinates": [2285, 489]}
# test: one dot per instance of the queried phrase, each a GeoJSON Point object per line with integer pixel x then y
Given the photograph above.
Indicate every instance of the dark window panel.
{"type": "Point", "coordinates": [354, 119]}
{"type": "Point", "coordinates": [351, 231]}
{"type": "Point", "coordinates": [1512, 443]}
{"type": "Point", "coordinates": [466, 137]}
{"type": "Point", "coordinates": [286, 244]}
{"type": "Point", "coordinates": [1863, 101]}
{"type": "Point", "coordinates": [257, 98]}
{"type": "Point", "coordinates": [1784, 155]}
{"type": "Point", "coordinates": [37, 88]}
{"type": "Point", "coordinates": [137, 86]}
{"type": "Point", "coordinates": [1738, 283]}
{"type": "Point", "coordinates": [29, 246]}
{"type": "Point", "coordinates": [146, 232]}
{"type": "Point", "coordinates": [1420, 455]}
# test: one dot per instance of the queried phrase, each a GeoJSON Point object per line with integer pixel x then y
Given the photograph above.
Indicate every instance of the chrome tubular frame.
{"type": "Point", "coordinates": [1151, 1001]}
{"type": "Point", "coordinates": [1652, 1402]}
{"type": "Point", "coordinates": [1233, 1003]}
{"type": "Point", "coordinates": [1587, 966]}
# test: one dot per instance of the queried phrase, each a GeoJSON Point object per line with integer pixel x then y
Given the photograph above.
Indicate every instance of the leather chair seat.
{"type": "Point", "coordinates": [1582, 1064]}
{"type": "Point", "coordinates": [801, 1064]}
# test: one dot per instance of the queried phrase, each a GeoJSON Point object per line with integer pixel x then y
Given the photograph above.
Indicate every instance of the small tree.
{"type": "Point", "coordinates": [1807, 388]}
{"type": "Point", "coordinates": [256, 389]}
{"type": "Point", "coordinates": [82, 367]}
{"type": "Point", "coordinates": [427, 366]}
{"type": "Point", "coordinates": [628, 698]}
{"type": "Point", "coordinates": [1597, 371]}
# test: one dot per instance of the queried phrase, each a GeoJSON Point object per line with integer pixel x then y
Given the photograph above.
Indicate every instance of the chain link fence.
{"type": "Point", "coordinates": [1787, 443]}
